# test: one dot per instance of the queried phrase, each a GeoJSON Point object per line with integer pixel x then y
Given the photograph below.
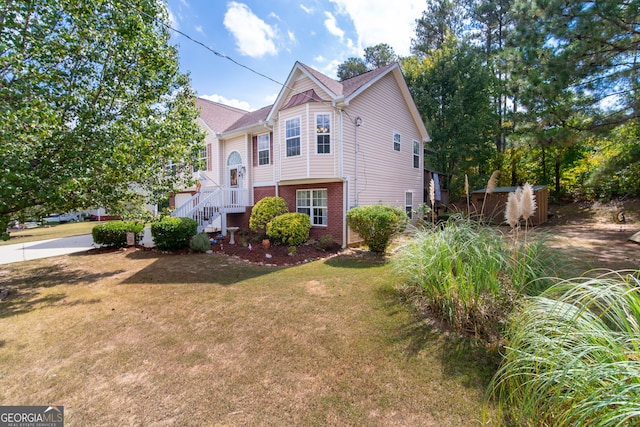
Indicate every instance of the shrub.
{"type": "Point", "coordinates": [291, 229]}
{"type": "Point", "coordinates": [171, 234]}
{"type": "Point", "coordinates": [264, 211]}
{"type": "Point", "coordinates": [377, 224]}
{"type": "Point", "coordinates": [114, 233]}
{"type": "Point", "coordinates": [326, 242]}
{"type": "Point", "coordinates": [572, 355]}
{"type": "Point", "coordinates": [200, 243]}
{"type": "Point", "coordinates": [467, 274]}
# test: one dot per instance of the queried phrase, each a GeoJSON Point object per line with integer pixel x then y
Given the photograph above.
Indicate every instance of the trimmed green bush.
{"type": "Point", "coordinates": [264, 211]}
{"type": "Point", "coordinates": [377, 224]}
{"type": "Point", "coordinates": [200, 243]}
{"type": "Point", "coordinates": [291, 229]}
{"type": "Point", "coordinates": [114, 233]}
{"type": "Point", "coordinates": [171, 234]}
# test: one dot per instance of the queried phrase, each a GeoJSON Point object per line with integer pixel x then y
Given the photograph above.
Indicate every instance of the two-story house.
{"type": "Point", "coordinates": [324, 146]}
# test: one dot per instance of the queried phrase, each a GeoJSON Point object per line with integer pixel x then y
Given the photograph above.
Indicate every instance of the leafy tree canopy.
{"type": "Point", "coordinates": [374, 57]}
{"type": "Point", "coordinates": [93, 105]}
{"type": "Point", "coordinates": [587, 48]}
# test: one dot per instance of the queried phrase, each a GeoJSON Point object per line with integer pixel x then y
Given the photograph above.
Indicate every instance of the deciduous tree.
{"type": "Point", "coordinates": [93, 104]}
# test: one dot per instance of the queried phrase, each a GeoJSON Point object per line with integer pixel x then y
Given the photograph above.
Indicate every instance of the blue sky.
{"type": "Point", "coordinates": [269, 36]}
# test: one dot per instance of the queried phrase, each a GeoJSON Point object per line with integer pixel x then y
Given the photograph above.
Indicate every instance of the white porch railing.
{"type": "Point", "coordinates": [210, 203]}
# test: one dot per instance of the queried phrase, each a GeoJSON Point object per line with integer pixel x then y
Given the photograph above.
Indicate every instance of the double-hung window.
{"type": "Point", "coordinates": [396, 141]}
{"type": "Point", "coordinates": [264, 149]}
{"type": "Point", "coordinates": [408, 203]}
{"type": "Point", "coordinates": [314, 204]}
{"type": "Point", "coordinates": [293, 137]}
{"type": "Point", "coordinates": [200, 160]}
{"type": "Point", "coordinates": [416, 154]}
{"type": "Point", "coordinates": [323, 134]}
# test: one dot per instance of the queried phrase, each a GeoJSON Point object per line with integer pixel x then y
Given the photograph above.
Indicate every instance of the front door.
{"type": "Point", "coordinates": [234, 176]}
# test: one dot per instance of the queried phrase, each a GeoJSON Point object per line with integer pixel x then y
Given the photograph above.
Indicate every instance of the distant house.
{"type": "Point", "coordinates": [324, 146]}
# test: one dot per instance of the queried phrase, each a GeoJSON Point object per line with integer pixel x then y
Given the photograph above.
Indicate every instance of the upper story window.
{"type": "Point", "coordinates": [323, 134]}
{"type": "Point", "coordinates": [200, 160]}
{"type": "Point", "coordinates": [416, 154]}
{"type": "Point", "coordinates": [264, 149]}
{"type": "Point", "coordinates": [396, 141]}
{"type": "Point", "coordinates": [293, 137]}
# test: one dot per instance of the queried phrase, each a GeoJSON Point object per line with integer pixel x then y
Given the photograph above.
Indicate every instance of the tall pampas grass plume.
{"type": "Point", "coordinates": [512, 210]}
{"type": "Point", "coordinates": [491, 186]}
{"type": "Point", "coordinates": [493, 181]}
{"type": "Point", "coordinates": [466, 191]}
{"type": "Point", "coordinates": [432, 198]}
{"type": "Point", "coordinates": [528, 203]}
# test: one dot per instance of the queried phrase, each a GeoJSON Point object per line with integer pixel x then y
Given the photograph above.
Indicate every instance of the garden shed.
{"type": "Point", "coordinates": [496, 202]}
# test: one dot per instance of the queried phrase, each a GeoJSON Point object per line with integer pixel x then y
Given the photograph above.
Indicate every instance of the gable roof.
{"type": "Point", "coordinates": [216, 116]}
{"type": "Point", "coordinates": [225, 119]}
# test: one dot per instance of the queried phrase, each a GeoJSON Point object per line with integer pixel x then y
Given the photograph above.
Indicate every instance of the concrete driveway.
{"type": "Point", "coordinates": [45, 248]}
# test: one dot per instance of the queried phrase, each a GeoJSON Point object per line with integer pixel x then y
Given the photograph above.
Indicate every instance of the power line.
{"type": "Point", "coordinates": [215, 52]}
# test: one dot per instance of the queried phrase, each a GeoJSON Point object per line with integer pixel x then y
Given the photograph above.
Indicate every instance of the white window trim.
{"type": "Point", "coordinates": [268, 149]}
{"type": "Point", "coordinates": [328, 133]}
{"type": "Point", "coordinates": [286, 153]}
{"type": "Point", "coordinates": [311, 206]}
{"type": "Point", "coordinates": [409, 211]}
{"type": "Point", "coordinates": [416, 143]}
{"type": "Point", "coordinates": [399, 141]}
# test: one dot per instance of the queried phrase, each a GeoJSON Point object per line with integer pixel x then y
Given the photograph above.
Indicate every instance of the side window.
{"type": "Point", "coordinates": [396, 141]}
{"type": "Point", "coordinates": [408, 203]}
{"type": "Point", "coordinates": [323, 134]}
{"type": "Point", "coordinates": [293, 137]}
{"type": "Point", "coordinates": [263, 149]}
{"type": "Point", "coordinates": [416, 154]}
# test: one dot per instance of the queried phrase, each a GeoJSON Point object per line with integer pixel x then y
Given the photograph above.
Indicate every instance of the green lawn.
{"type": "Point", "coordinates": [140, 338]}
{"type": "Point", "coordinates": [50, 232]}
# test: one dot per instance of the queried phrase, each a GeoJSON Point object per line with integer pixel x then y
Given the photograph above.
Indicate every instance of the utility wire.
{"type": "Point", "coordinates": [215, 52]}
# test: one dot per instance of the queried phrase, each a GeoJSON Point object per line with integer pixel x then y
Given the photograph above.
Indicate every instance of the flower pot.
{"type": "Point", "coordinates": [266, 244]}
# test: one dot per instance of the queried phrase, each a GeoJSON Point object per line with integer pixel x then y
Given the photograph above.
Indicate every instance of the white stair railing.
{"type": "Point", "coordinates": [209, 204]}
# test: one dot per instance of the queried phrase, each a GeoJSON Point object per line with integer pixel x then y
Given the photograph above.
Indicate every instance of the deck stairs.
{"type": "Point", "coordinates": [210, 204]}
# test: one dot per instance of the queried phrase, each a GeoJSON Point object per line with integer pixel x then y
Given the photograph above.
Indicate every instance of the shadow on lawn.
{"type": "Point", "coordinates": [459, 356]}
{"type": "Point", "coordinates": [25, 289]}
{"type": "Point", "coordinates": [194, 269]}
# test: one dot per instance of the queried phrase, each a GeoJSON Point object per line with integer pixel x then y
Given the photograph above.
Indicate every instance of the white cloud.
{"type": "Point", "coordinates": [383, 21]}
{"type": "Point", "coordinates": [199, 29]}
{"type": "Point", "coordinates": [254, 37]}
{"type": "Point", "coordinates": [332, 26]}
{"type": "Point", "coordinates": [231, 102]}
{"type": "Point", "coordinates": [292, 37]}
{"type": "Point", "coordinates": [173, 22]}
{"type": "Point", "coordinates": [319, 59]}
{"type": "Point", "coordinates": [270, 99]}
{"type": "Point", "coordinates": [331, 69]}
{"type": "Point", "coordinates": [307, 10]}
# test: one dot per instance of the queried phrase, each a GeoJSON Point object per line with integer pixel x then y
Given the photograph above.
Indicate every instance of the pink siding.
{"type": "Point", "coordinates": [383, 173]}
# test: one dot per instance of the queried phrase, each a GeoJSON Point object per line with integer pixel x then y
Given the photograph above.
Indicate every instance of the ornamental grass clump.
{"type": "Point", "coordinates": [573, 355]}
{"type": "Point", "coordinates": [465, 274]}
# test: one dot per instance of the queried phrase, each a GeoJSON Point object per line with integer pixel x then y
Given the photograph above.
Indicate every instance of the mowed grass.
{"type": "Point", "coordinates": [52, 231]}
{"type": "Point", "coordinates": [140, 338]}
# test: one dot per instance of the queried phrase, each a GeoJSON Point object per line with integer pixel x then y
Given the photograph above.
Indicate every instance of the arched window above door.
{"type": "Point", "coordinates": [234, 159]}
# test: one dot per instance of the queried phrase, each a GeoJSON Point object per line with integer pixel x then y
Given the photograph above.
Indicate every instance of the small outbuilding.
{"type": "Point", "coordinates": [496, 202]}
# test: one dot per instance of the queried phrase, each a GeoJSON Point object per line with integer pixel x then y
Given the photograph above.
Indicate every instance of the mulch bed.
{"type": "Point", "coordinates": [275, 255]}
